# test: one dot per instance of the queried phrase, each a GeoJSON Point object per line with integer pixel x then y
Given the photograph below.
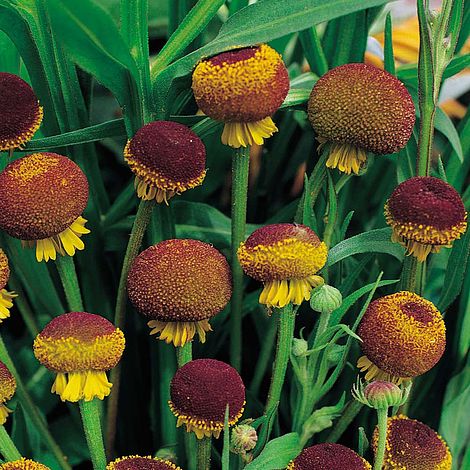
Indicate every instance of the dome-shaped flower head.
{"type": "Point", "coordinates": [20, 113]}
{"type": "Point", "coordinates": [42, 197]}
{"type": "Point", "coordinates": [403, 336]}
{"type": "Point", "coordinates": [23, 464]}
{"type": "Point", "coordinates": [80, 347]}
{"type": "Point", "coordinates": [359, 108]}
{"type": "Point", "coordinates": [7, 390]}
{"type": "Point", "coordinates": [425, 214]}
{"type": "Point", "coordinates": [135, 462]}
{"type": "Point", "coordinates": [242, 88]}
{"type": "Point", "coordinates": [200, 392]}
{"type": "Point", "coordinates": [179, 285]}
{"type": "Point", "coordinates": [328, 457]}
{"type": "Point", "coordinates": [167, 159]}
{"type": "Point", "coordinates": [5, 296]}
{"type": "Point", "coordinates": [285, 258]}
{"type": "Point", "coordinates": [412, 445]}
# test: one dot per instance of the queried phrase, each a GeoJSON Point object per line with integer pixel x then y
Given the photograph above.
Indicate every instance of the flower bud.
{"type": "Point", "coordinates": [326, 299]}
{"type": "Point", "coordinates": [243, 439]}
{"type": "Point", "coordinates": [299, 347]}
{"type": "Point", "coordinates": [381, 394]}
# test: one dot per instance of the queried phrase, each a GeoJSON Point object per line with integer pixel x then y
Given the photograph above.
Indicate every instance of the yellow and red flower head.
{"type": "Point", "coordinates": [20, 113]}
{"type": "Point", "coordinates": [6, 298]}
{"type": "Point", "coordinates": [359, 108]}
{"type": "Point", "coordinates": [167, 159]}
{"type": "Point", "coordinates": [242, 88]}
{"type": "Point", "coordinates": [200, 392]}
{"type": "Point", "coordinates": [80, 347]}
{"type": "Point", "coordinates": [23, 464]}
{"type": "Point", "coordinates": [403, 336]}
{"type": "Point", "coordinates": [7, 390]}
{"type": "Point", "coordinates": [328, 457]}
{"type": "Point", "coordinates": [42, 197]}
{"type": "Point", "coordinates": [425, 214]}
{"type": "Point", "coordinates": [135, 462]}
{"type": "Point", "coordinates": [179, 285]}
{"type": "Point", "coordinates": [412, 445]}
{"type": "Point", "coordinates": [285, 258]}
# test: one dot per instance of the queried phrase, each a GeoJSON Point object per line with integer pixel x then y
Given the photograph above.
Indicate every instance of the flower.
{"type": "Point", "coordinates": [403, 336]}
{"type": "Point", "coordinates": [380, 394]}
{"type": "Point", "coordinates": [20, 113]}
{"type": "Point", "coordinates": [360, 108]}
{"type": "Point", "coordinates": [326, 299]}
{"type": "Point", "coordinates": [179, 285]}
{"type": "Point", "coordinates": [42, 197]}
{"type": "Point", "coordinates": [135, 462]}
{"type": "Point", "coordinates": [5, 296]}
{"type": "Point", "coordinates": [7, 390]}
{"type": "Point", "coordinates": [167, 159]}
{"type": "Point", "coordinates": [425, 214]}
{"type": "Point", "coordinates": [80, 347]}
{"type": "Point", "coordinates": [328, 457]}
{"type": "Point", "coordinates": [200, 392]}
{"type": "Point", "coordinates": [23, 464]}
{"type": "Point", "coordinates": [285, 258]}
{"type": "Point", "coordinates": [242, 88]}
{"type": "Point", "coordinates": [412, 445]}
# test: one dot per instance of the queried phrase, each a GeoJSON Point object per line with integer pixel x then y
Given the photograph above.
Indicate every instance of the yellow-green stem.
{"type": "Point", "coordinates": [68, 276]}
{"type": "Point", "coordinates": [7, 446]}
{"type": "Point", "coordinates": [90, 413]}
{"type": "Point", "coordinates": [382, 425]}
{"type": "Point", "coordinates": [204, 453]}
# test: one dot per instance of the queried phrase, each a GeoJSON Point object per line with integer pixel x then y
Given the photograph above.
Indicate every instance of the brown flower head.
{"type": "Point", "coordinates": [135, 462]}
{"type": "Point", "coordinates": [6, 298]}
{"type": "Point", "coordinates": [7, 390]}
{"type": "Point", "coordinates": [23, 464]}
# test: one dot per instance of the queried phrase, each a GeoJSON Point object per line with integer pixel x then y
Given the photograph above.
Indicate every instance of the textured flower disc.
{"type": "Point", "coordinates": [425, 214]}
{"type": "Point", "coordinates": [403, 336]}
{"type": "Point", "coordinates": [243, 85]}
{"type": "Point", "coordinates": [20, 113]}
{"type": "Point", "coordinates": [363, 106]}
{"type": "Point", "coordinates": [328, 457]}
{"type": "Point", "coordinates": [167, 158]}
{"type": "Point", "coordinates": [41, 195]}
{"type": "Point", "coordinates": [135, 462]}
{"type": "Point", "coordinates": [7, 383]}
{"type": "Point", "coordinates": [285, 257]}
{"type": "Point", "coordinates": [412, 445]}
{"type": "Point", "coordinates": [200, 392]}
{"type": "Point", "coordinates": [179, 281]}
{"type": "Point", "coordinates": [4, 269]}
{"type": "Point", "coordinates": [23, 464]}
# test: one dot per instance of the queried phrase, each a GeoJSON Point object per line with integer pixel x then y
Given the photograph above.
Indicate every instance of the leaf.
{"type": "Point", "coordinates": [444, 125]}
{"type": "Point", "coordinates": [389, 58]}
{"type": "Point", "coordinates": [226, 446]}
{"type": "Point", "coordinates": [277, 453]}
{"type": "Point", "coordinates": [373, 241]}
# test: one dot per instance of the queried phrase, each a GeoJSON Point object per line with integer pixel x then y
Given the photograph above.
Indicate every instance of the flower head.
{"type": "Point", "coordinates": [285, 258]}
{"type": "Point", "coordinates": [42, 197]}
{"type": "Point", "coordinates": [360, 108]}
{"type": "Point", "coordinates": [167, 159]}
{"type": "Point", "coordinates": [6, 298]}
{"type": "Point", "coordinates": [179, 285]}
{"type": "Point", "coordinates": [200, 392]}
{"type": "Point", "coordinates": [328, 457]}
{"type": "Point", "coordinates": [242, 88]}
{"type": "Point", "coordinates": [403, 336]}
{"type": "Point", "coordinates": [20, 113]}
{"type": "Point", "coordinates": [23, 464]}
{"type": "Point", "coordinates": [7, 390]}
{"type": "Point", "coordinates": [135, 462]}
{"type": "Point", "coordinates": [381, 394]}
{"type": "Point", "coordinates": [425, 214]}
{"type": "Point", "coordinates": [80, 347]}
{"type": "Point", "coordinates": [413, 445]}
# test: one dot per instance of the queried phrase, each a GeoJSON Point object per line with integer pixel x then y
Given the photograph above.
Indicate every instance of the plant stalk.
{"type": "Point", "coordinates": [204, 453]}
{"type": "Point", "coordinates": [351, 411]}
{"type": "Point", "coordinates": [382, 425]}
{"type": "Point", "coordinates": [7, 447]}
{"type": "Point", "coordinates": [184, 354]}
{"type": "Point", "coordinates": [90, 413]}
{"type": "Point", "coordinates": [68, 276]}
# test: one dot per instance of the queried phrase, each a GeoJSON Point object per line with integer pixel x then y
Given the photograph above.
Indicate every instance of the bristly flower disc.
{"type": "Point", "coordinates": [7, 390]}
{"type": "Point", "coordinates": [425, 214]}
{"type": "Point", "coordinates": [20, 113]}
{"type": "Point", "coordinates": [200, 392]}
{"type": "Point", "coordinates": [6, 298]}
{"type": "Point", "coordinates": [135, 462]}
{"type": "Point", "coordinates": [359, 108]}
{"type": "Point", "coordinates": [242, 88]}
{"type": "Point", "coordinates": [23, 464]}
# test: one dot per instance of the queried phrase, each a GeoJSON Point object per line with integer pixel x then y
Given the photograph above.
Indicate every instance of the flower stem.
{"type": "Point", "coordinates": [408, 274]}
{"type": "Point", "coordinates": [68, 277]}
{"type": "Point", "coordinates": [322, 326]}
{"type": "Point", "coordinates": [382, 425]}
{"type": "Point", "coordinates": [7, 446]}
{"type": "Point", "coordinates": [240, 171]}
{"type": "Point", "coordinates": [184, 354]}
{"type": "Point", "coordinates": [92, 426]}
{"type": "Point", "coordinates": [204, 453]}
{"type": "Point", "coordinates": [351, 411]}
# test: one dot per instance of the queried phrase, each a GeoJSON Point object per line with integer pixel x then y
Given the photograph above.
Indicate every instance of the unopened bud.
{"type": "Point", "coordinates": [244, 439]}
{"type": "Point", "coordinates": [326, 299]}
{"type": "Point", "coordinates": [299, 347]}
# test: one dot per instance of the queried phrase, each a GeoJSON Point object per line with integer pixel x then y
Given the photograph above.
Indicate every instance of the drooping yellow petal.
{"type": "Point", "coordinates": [241, 134]}
{"type": "Point", "coordinates": [4, 412]}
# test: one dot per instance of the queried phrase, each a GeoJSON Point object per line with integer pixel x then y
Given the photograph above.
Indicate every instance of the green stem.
{"type": "Point", "coordinates": [90, 412]}
{"type": "Point", "coordinates": [351, 411]}
{"type": "Point", "coordinates": [68, 276]}
{"type": "Point", "coordinates": [322, 326]}
{"type": "Point", "coordinates": [7, 446]}
{"type": "Point", "coordinates": [408, 274]}
{"type": "Point", "coordinates": [382, 425]}
{"type": "Point", "coordinates": [184, 354]}
{"type": "Point", "coordinates": [240, 171]}
{"type": "Point", "coordinates": [204, 453]}
{"type": "Point", "coordinates": [313, 51]}
{"type": "Point", "coordinates": [31, 410]}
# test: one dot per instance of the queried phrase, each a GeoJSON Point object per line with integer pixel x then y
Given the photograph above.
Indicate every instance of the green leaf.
{"type": "Point", "coordinates": [277, 453]}
{"type": "Point", "coordinates": [444, 124]}
{"type": "Point", "coordinates": [226, 446]}
{"type": "Point", "coordinates": [389, 58]}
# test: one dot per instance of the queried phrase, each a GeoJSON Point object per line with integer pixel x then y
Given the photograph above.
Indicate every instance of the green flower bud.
{"type": "Point", "coordinates": [381, 394]}
{"type": "Point", "coordinates": [299, 347]}
{"type": "Point", "coordinates": [243, 439]}
{"type": "Point", "coordinates": [326, 299]}
{"type": "Point", "coordinates": [165, 453]}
